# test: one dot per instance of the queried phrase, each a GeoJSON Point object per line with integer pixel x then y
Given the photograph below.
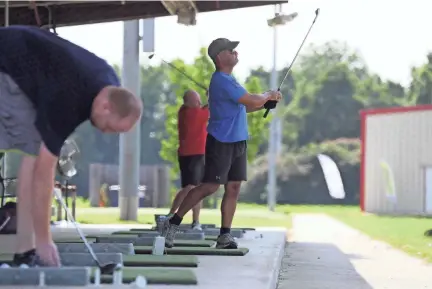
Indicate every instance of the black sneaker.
{"type": "Point", "coordinates": [28, 258]}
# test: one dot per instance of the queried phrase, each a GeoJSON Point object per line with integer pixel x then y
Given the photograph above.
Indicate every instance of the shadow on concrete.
{"type": "Point", "coordinates": [319, 266]}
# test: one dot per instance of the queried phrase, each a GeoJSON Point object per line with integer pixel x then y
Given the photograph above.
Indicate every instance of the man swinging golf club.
{"type": "Point", "coordinates": [192, 123]}
{"type": "Point", "coordinates": [48, 87]}
{"type": "Point", "coordinates": [226, 147]}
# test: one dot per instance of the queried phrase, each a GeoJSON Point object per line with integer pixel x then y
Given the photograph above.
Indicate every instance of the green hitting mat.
{"type": "Point", "coordinates": [159, 261]}
{"type": "Point", "coordinates": [74, 240]}
{"type": "Point", "coordinates": [195, 251]}
{"type": "Point", "coordinates": [185, 243]}
{"type": "Point", "coordinates": [177, 243]}
{"type": "Point", "coordinates": [142, 260]}
{"type": "Point", "coordinates": [194, 243]}
{"type": "Point", "coordinates": [128, 233]}
{"type": "Point", "coordinates": [210, 238]}
{"type": "Point", "coordinates": [157, 276]}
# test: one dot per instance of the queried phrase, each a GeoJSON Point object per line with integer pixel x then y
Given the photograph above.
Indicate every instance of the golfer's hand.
{"type": "Point", "coordinates": [48, 254]}
{"type": "Point", "coordinates": [275, 95]}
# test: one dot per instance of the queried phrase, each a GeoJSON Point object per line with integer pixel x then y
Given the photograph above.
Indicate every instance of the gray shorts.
{"type": "Point", "coordinates": [17, 117]}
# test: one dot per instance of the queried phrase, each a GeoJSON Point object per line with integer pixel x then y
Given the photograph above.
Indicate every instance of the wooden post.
{"type": "Point", "coordinates": [163, 186]}
{"type": "Point", "coordinates": [94, 184]}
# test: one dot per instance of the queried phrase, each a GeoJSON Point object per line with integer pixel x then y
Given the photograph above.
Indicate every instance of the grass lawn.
{"type": "Point", "coordinates": [406, 233]}
{"type": "Point", "coordinates": [246, 216]}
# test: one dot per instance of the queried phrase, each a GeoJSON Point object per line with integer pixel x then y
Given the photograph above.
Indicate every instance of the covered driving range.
{"type": "Point", "coordinates": [193, 261]}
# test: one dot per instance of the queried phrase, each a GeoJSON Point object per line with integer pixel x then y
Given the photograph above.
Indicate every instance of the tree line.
{"type": "Point", "coordinates": [323, 95]}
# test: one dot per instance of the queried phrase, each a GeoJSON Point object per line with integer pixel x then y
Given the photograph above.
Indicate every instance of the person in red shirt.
{"type": "Point", "coordinates": [192, 132]}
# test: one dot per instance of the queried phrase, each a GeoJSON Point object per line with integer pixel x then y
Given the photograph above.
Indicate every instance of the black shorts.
{"type": "Point", "coordinates": [225, 162]}
{"type": "Point", "coordinates": [191, 169]}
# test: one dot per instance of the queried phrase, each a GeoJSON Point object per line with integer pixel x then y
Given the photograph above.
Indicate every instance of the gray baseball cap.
{"type": "Point", "coordinates": [219, 45]}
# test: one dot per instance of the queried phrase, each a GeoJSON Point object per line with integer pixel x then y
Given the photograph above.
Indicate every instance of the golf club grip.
{"type": "Point", "coordinates": [266, 112]}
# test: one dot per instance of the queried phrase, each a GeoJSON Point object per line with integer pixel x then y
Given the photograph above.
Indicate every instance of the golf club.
{"type": "Point", "coordinates": [272, 103]}
{"type": "Point", "coordinates": [181, 72]}
{"type": "Point", "coordinates": [107, 269]}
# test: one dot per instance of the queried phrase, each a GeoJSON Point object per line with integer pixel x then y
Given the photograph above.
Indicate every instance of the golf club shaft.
{"type": "Point", "coordinates": [297, 53]}
{"type": "Point", "coordinates": [295, 57]}
{"type": "Point", "coordinates": [184, 74]}
{"type": "Point", "coordinates": [69, 215]}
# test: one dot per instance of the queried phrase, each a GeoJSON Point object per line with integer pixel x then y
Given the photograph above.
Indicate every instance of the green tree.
{"type": "Point", "coordinates": [331, 83]}
{"type": "Point", "coordinates": [420, 90]}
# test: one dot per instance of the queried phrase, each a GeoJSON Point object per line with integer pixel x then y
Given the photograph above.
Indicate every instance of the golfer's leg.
{"type": "Point", "coordinates": [217, 165]}
{"type": "Point", "coordinates": [179, 198]}
{"type": "Point", "coordinates": [17, 116]}
{"type": "Point", "coordinates": [216, 172]}
{"type": "Point", "coordinates": [198, 169]}
{"type": "Point", "coordinates": [25, 230]}
{"type": "Point", "coordinates": [237, 174]}
{"type": "Point", "coordinates": [229, 204]}
{"type": "Point", "coordinates": [196, 212]}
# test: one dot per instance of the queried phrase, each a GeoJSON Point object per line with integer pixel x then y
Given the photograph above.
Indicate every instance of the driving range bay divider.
{"type": "Point", "coordinates": [154, 184]}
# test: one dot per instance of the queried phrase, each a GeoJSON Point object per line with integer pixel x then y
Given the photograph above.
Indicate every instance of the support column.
{"type": "Point", "coordinates": [272, 147]}
{"type": "Point", "coordinates": [130, 141]}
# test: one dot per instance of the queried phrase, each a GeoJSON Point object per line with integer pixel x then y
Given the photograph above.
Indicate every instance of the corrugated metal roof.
{"type": "Point", "coordinates": [67, 13]}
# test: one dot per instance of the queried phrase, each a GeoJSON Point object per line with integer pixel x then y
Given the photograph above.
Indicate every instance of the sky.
{"type": "Point", "coordinates": [389, 34]}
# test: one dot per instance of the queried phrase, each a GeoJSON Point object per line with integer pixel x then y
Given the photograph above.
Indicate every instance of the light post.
{"type": "Point", "coordinates": [275, 139]}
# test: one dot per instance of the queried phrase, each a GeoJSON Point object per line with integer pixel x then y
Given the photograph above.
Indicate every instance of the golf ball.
{"type": "Point", "coordinates": [140, 282]}
{"type": "Point", "coordinates": [4, 266]}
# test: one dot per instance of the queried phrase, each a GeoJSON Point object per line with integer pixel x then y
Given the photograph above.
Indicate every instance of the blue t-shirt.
{"type": "Point", "coordinates": [60, 78]}
{"type": "Point", "coordinates": [228, 118]}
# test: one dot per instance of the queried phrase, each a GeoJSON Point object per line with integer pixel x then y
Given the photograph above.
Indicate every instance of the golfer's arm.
{"type": "Point", "coordinates": [253, 109]}
{"type": "Point", "coordinates": [43, 184]}
{"type": "Point", "coordinates": [254, 102]}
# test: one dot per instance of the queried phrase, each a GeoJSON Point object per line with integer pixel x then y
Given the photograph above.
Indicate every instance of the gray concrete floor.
{"type": "Point", "coordinates": [325, 254]}
{"type": "Point", "coordinates": [258, 269]}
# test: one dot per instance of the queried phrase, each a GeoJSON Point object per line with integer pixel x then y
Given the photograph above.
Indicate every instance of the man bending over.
{"type": "Point", "coordinates": [226, 147]}
{"type": "Point", "coordinates": [192, 123]}
{"type": "Point", "coordinates": [48, 87]}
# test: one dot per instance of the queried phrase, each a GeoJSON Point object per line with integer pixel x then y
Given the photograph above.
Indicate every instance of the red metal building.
{"type": "Point", "coordinates": [396, 160]}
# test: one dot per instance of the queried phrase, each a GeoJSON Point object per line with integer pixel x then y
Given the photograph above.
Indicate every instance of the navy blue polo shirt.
{"type": "Point", "coordinates": [60, 78]}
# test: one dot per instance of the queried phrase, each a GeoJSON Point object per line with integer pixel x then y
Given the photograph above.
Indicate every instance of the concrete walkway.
{"type": "Point", "coordinates": [256, 270]}
{"type": "Point", "coordinates": [327, 254]}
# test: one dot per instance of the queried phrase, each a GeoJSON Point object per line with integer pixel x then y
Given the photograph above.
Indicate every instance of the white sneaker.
{"type": "Point", "coordinates": [196, 226]}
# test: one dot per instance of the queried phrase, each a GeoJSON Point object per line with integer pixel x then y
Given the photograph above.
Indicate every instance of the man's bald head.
{"type": "Point", "coordinates": [116, 109]}
{"type": "Point", "coordinates": [191, 98]}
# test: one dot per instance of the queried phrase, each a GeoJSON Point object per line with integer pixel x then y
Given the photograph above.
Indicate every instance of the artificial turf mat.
{"type": "Point", "coordinates": [210, 238]}
{"type": "Point", "coordinates": [73, 240]}
{"type": "Point", "coordinates": [195, 251]}
{"type": "Point", "coordinates": [159, 261]}
{"type": "Point", "coordinates": [177, 243]}
{"type": "Point", "coordinates": [132, 232]}
{"type": "Point", "coordinates": [157, 276]}
{"type": "Point", "coordinates": [194, 243]}
{"type": "Point", "coordinates": [141, 260]}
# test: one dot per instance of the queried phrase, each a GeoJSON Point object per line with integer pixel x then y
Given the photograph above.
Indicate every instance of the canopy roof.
{"type": "Point", "coordinates": [68, 13]}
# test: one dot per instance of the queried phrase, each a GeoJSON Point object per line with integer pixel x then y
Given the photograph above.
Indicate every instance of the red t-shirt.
{"type": "Point", "coordinates": [192, 130]}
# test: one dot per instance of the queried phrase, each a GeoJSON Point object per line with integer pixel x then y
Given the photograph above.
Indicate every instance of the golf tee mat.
{"type": "Point", "coordinates": [143, 260]}
{"type": "Point", "coordinates": [195, 251]}
{"type": "Point", "coordinates": [187, 250]}
{"type": "Point", "coordinates": [157, 276]}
